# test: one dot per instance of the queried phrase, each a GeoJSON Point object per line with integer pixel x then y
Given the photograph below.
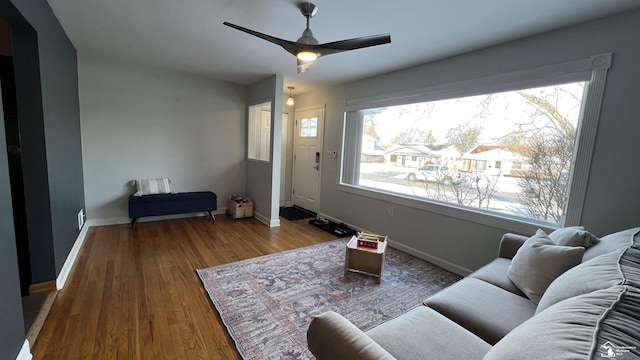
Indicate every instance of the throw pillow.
{"type": "Point", "coordinates": [573, 236]}
{"type": "Point", "coordinates": [152, 186]}
{"type": "Point", "coordinates": [538, 262]}
{"type": "Point", "coordinates": [598, 273]}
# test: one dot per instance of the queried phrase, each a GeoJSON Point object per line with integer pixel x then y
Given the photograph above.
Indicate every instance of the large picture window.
{"type": "Point", "coordinates": [510, 149]}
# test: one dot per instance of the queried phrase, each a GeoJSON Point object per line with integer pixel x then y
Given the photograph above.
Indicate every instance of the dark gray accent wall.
{"type": "Point", "coordinates": [48, 110]}
{"type": "Point", "coordinates": [61, 124]}
{"type": "Point", "coordinates": [12, 329]}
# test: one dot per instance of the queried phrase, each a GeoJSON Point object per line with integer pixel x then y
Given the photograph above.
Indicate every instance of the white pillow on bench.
{"type": "Point", "coordinates": [152, 186]}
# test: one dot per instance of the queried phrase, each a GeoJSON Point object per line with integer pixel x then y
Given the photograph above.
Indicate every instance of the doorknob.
{"type": "Point", "coordinates": [317, 167]}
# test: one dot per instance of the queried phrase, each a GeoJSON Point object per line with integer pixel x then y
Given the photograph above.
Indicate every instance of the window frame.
{"type": "Point", "coordinates": [592, 69]}
{"type": "Point", "coordinates": [259, 147]}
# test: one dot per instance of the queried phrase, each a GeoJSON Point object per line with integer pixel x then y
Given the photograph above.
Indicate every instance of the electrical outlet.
{"type": "Point", "coordinates": [390, 211]}
{"type": "Point", "coordinates": [80, 219]}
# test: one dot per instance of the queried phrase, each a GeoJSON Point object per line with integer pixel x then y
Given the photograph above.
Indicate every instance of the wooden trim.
{"type": "Point", "coordinates": [5, 39]}
{"type": "Point", "coordinates": [43, 286]}
{"type": "Point", "coordinates": [36, 326]}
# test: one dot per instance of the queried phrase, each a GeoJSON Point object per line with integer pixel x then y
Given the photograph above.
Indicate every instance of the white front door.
{"type": "Point", "coordinates": [307, 157]}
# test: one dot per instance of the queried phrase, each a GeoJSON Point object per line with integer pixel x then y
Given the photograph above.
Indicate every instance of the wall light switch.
{"type": "Point", "coordinates": [80, 219]}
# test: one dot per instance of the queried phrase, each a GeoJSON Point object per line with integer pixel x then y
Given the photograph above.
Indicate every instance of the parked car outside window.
{"type": "Point", "coordinates": [434, 173]}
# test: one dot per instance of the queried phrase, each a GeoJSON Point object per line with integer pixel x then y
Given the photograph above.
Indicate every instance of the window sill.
{"type": "Point", "coordinates": [487, 218]}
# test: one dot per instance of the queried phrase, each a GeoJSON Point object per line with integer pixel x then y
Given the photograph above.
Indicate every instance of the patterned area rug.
{"type": "Point", "coordinates": [268, 302]}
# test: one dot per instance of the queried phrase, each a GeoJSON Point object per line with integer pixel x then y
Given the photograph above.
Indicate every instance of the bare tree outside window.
{"type": "Point", "coordinates": [550, 151]}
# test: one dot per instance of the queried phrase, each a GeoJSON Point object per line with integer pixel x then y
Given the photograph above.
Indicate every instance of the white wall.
{"type": "Point", "coordinates": [139, 122]}
{"type": "Point", "coordinates": [466, 242]}
{"type": "Point", "coordinates": [263, 178]}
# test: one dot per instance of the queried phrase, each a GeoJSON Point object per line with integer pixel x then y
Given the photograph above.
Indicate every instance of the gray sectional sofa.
{"type": "Point", "coordinates": [566, 295]}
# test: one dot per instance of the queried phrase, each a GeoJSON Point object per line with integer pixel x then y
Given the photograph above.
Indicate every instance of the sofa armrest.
{"type": "Point", "coordinates": [331, 336]}
{"type": "Point", "coordinates": [509, 245]}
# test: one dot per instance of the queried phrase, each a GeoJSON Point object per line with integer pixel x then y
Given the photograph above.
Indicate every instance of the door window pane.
{"type": "Point", "coordinates": [309, 127]}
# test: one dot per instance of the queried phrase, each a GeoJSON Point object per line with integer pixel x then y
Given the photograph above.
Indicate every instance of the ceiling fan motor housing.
{"type": "Point", "coordinates": [308, 10]}
{"type": "Point", "coordinates": [307, 38]}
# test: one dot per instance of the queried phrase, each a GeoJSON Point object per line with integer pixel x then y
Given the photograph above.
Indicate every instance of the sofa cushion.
{"type": "Point", "coordinates": [581, 327]}
{"type": "Point", "coordinates": [331, 336]}
{"type": "Point", "coordinates": [595, 274]}
{"type": "Point", "coordinates": [573, 236]}
{"type": "Point", "coordinates": [484, 309]}
{"type": "Point", "coordinates": [540, 261]}
{"type": "Point", "coordinates": [612, 242]}
{"type": "Point", "coordinates": [495, 273]}
{"type": "Point", "coordinates": [509, 245]}
{"type": "Point", "coordinates": [424, 333]}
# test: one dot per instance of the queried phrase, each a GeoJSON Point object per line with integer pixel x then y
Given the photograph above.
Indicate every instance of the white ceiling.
{"type": "Point", "coordinates": [188, 35]}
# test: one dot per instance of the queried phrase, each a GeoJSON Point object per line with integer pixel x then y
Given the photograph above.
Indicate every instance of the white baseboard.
{"type": "Point", "coordinates": [447, 265]}
{"type": "Point", "coordinates": [71, 258]}
{"type": "Point", "coordinates": [108, 221]}
{"type": "Point", "coordinates": [126, 220]}
{"type": "Point", "coordinates": [265, 220]}
{"type": "Point", "coordinates": [25, 352]}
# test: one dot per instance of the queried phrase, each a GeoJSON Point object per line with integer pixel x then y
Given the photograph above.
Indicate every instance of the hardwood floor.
{"type": "Point", "coordinates": [134, 294]}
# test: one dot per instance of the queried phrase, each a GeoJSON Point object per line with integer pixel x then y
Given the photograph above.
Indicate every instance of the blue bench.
{"type": "Point", "coordinates": [169, 204]}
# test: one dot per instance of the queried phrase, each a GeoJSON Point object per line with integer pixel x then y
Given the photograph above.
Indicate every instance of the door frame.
{"type": "Point", "coordinates": [322, 111]}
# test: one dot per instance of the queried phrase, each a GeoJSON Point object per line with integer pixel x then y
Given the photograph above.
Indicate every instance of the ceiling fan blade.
{"type": "Point", "coordinates": [290, 46]}
{"type": "Point", "coordinates": [352, 44]}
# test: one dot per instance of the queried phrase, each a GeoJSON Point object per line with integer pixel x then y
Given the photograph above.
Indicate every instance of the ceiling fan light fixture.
{"type": "Point", "coordinates": [306, 55]}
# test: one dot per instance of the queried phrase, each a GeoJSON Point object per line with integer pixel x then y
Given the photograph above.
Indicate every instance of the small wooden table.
{"type": "Point", "coordinates": [361, 259]}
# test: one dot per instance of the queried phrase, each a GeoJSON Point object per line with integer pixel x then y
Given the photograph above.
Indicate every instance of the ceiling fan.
{"type": "Point", "coordinates": [307, 48]}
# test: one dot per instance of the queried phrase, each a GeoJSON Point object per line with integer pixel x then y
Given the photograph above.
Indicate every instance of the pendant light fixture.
{"type": "Point", "coordinates": [290, 101]}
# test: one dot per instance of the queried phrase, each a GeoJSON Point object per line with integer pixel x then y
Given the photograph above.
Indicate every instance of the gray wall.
{"type": "Point", "coordinates": [140, 122]}
{"type": "Point", "coordinates": [263, 178]}
{"type": "Point", "coordinates": [467, 242]}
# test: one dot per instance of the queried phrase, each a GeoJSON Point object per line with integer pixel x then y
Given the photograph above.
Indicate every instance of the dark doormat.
{"type": "Point", "coordinates": [296, 213]}
{"type": "Point", "coordinates": [332, 227]}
